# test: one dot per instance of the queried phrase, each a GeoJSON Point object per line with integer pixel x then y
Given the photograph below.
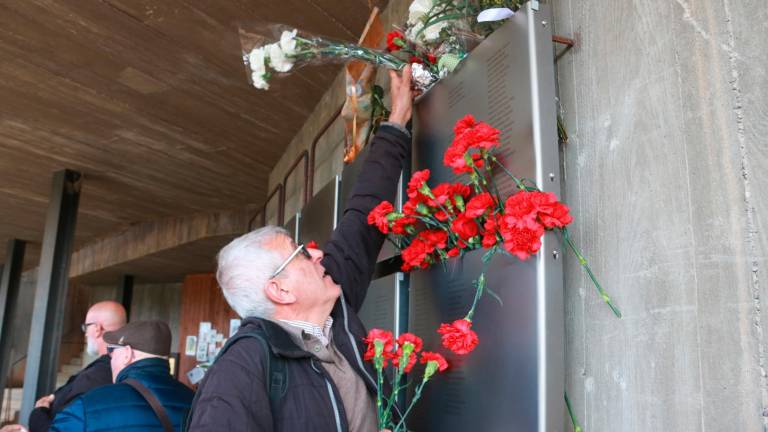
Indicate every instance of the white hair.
{"type": "Point", "coordinates": [244, 267]}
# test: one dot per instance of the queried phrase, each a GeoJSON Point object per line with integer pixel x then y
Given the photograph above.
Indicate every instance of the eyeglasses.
{"type": "Point", "coordinates": [301, 249]}
{"type": "Point", "coordinates": [84, 326]}
{"type": "Point", "coordinates": [111, 348]}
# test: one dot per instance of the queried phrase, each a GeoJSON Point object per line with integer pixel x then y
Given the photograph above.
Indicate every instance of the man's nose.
{"type": "Point", "coordinates": [317, 254]}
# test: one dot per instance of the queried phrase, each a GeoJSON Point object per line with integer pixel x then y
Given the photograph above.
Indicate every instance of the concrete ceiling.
{"type": "Point", "coordinates": [149, 100]}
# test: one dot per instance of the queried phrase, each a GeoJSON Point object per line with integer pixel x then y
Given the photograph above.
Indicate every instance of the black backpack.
{"type": "Point", "coordinates": [277, 384]}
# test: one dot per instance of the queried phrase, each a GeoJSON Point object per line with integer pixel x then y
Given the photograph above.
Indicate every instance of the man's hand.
{"type": "Point", "coordinates": [401, 95]}
{"type": "Point", "coordinates": [13, 428]}
{"type": "Point", "coordinates": [44, 402]}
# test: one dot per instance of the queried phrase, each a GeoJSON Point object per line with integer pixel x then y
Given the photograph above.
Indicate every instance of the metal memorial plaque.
{"type": "Point", "coordinates": [514, 380]}
{"type": "Point", "coordinates": [381, 306]}
{"type": "Point", "coordinates": [292, 225]}
{"type": "Point", "coordinates": [319, 215]}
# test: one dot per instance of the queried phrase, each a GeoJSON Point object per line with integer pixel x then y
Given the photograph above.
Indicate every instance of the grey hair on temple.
{"type": "Point", "coordinates": [244, 267]}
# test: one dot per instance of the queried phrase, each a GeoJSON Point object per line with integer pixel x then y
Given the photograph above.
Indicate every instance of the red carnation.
{"type": "Point", "coordinates": [395, 40]}
{"type": "Point", "coordinates": [410, 338]}
{"type": "Point", "coordinates": [378, 216]}
{"type": "Point", "coordinates": [312, 245]}
{"type": "Point", "coordinates": [432, 58]}
{"type": "Point", "coordinates": [401, 341]}
{"type": "Point", "coordinates": [521, 210]}
{"type": "Point", "coordinates": [552, 213]}
{"type": "Point", "coordinates": [415, 254]}
{"type": "Point", "coordinates": [386, 339]}
{"type": "Point", "coordinates": [415, 59]}
{"type": "Point", "coordinates": [459, 336]}
{"type": "Point", "coordinates": [522, 242]}
{"type": "Point", "coordinates": [464, 123]}
{"type": "Point", "coordinates": [464, 227]}
{"type": "Point", "coordinates": [479, 204]}
{"type": "Point", "coordinates": [435, 238]}
{"type": "Point", "coordinates": [469, 134]}
{"type": "Point", "coordinates": [491, 228]}
{"type": "Point", "coordinates": [417, 181]}
{"type": "Point", "coordinates": [401, 225]}
{"type": "Point", "coordinates": [441, 216]}
{"type": "Point", "coordinates": [461, 189]}
{"type": "Point", "coordinates": [454, 156]}
{"type": "Point", "coordinates": [453, 252]}
{"type": "Point", "coordinates": [428, 356]}
{"type": "Point", "coordinates": [484, 136]}
{"type": "Point", "coordinates": [409, 208]}
{"type": "Point", "coordinates": [442, 193]}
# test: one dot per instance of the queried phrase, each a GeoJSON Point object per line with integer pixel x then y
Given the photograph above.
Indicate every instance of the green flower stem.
{"type": "Point", "coordinates": [416, 397]}
{"type": "Point", "coordinates": [517, 181]}
{"type": "Point", "coordinates": [346, 50]}
{"type": "Point", "coordinates": [446, 17]}
{"type": "Point", "coordinates": [576, 427]}
{"type": "Point", "coordinates": [585, 265]}
{"type": "Point", "coordinates": [479, 285]}
{"type": "Point", "coordinates": [378, 363]}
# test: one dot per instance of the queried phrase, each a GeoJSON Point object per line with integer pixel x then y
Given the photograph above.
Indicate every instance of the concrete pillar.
{"type": "Point", "coordinates": [667, 110]}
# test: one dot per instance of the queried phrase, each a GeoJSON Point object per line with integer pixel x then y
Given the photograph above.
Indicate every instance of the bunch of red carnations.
{"type": "Point", "coordinates": [447, 220]}
{"type": "Point", "coordinates": [403, 352]}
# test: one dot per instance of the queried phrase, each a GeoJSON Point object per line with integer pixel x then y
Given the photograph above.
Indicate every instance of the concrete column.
{"type": "Point", "coordinates": [667, 110]}
{"type": "Point", "coordinates": [51, 290]}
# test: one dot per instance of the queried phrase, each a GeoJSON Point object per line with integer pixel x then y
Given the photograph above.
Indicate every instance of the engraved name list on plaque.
{"type": "Point", "coordinates": [514, 380]}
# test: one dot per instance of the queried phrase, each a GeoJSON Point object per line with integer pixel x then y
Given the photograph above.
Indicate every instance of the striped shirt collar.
{"type": "Point", "coordinates": [323, 334]}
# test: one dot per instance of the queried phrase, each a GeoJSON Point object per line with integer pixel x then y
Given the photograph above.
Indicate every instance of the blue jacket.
{"type": "Point", "coordinates": [119, 407]}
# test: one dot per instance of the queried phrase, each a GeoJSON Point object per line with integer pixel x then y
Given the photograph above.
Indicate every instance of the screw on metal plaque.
{"type": "Point", "coordinates": [551, 177]}
{"type": "Point", "coordinates": [555, 254]}
{"type": "Point", "coordinates": [544, 23]}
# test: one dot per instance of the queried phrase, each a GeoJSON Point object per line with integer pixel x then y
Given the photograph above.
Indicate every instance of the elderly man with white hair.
{"type": "Point", "coordinates": [296, 364]}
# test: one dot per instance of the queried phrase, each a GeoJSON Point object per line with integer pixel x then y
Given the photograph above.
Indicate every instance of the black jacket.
{"type": "Point", "coordinates": [232, 396]}
{"type": "Point", "coordinates": [98, 373]}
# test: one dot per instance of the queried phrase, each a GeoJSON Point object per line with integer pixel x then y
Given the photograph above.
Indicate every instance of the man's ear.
{"type": "Point", "coordinates": [279, 293]}
{"type": "Point", "coordinates": [98, 331]}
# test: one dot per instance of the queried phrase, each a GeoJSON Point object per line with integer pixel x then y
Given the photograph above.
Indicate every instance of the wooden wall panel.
{"type": "Point", "coordinates": [201, 300]}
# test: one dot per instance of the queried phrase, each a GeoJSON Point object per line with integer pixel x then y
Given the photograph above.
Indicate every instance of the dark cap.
{"type": "Point", "coordinates": [151, 337]}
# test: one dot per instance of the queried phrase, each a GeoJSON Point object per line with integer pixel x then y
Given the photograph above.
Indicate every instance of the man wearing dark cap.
{"type": "Point", "coordinates": [144, 395]}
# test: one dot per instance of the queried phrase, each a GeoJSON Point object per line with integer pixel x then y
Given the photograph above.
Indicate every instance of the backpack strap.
{"type": "Point", "coordinates": [155, 404]}
{"type": "Point", "coordinates": [276, 381]}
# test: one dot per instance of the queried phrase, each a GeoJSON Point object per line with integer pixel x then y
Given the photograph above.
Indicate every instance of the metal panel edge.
{"type": "Point", "coordinates": [551, 311]}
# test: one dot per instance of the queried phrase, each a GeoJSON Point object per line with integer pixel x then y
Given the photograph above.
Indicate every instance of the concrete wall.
{"type": "Point", "coordinates": [150, 301]}
{"type": "Point", "coordinates": [667, 108]}
{"type": "Point", "coordinates": [158, 301]}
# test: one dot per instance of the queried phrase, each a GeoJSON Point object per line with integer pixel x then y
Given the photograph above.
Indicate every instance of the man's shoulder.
{"type": "Point", "coordinates": [107, 395]}
{"type": "Point", "coordinates": [98, 371]}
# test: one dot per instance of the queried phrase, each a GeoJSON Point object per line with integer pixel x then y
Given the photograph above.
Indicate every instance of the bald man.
{"type": "Point", "coordinates": [101, 318]}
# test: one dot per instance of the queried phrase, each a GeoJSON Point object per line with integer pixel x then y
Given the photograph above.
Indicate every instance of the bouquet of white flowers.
{"type": "Point", "coordinates": [436, 37]}
{"type": "Point", "coordinates": [267, 57]}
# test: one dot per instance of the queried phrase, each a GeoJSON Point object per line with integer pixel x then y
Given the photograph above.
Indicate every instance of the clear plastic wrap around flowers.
{"type": "Point", "coordinates": [436, 37]}
{"type": "Point", "coordinates": [273, 49]}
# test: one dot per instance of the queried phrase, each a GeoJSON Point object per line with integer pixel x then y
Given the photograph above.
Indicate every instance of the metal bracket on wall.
{"type": "Point", "coordinates": [568, 42]}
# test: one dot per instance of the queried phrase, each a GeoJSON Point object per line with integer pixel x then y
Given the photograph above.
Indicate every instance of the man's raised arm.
{"type": "Point", "coordinates": [350, 256]}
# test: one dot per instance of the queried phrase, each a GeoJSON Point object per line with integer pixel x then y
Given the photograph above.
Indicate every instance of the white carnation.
{"type": "Point", "coordinates": [414, 30]}
{"type": "Point", "coordinates": [418, 9]}
{"type": "Point", "coordinates": [277, 59]}
{"type": "Point", "coordinates": [288, 42]}
{"type": "Point", "coordinates": [432, 33]}
{"type": "Point", "coordinates": [256, 60]}
{"type": "Point", "coordinates": [259, 82]}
